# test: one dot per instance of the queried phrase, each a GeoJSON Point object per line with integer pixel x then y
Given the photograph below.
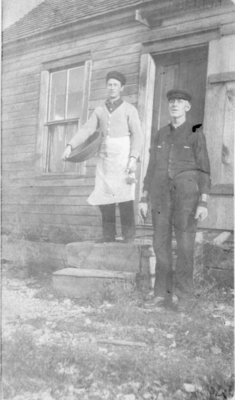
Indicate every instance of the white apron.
{"type": "Point", "coordinates": [110, 181]}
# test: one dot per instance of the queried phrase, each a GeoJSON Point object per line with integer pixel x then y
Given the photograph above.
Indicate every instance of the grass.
{"type": "Point", "coordinates": [191, 346]}
{"type": "Point", "coordinates": [40, 367]}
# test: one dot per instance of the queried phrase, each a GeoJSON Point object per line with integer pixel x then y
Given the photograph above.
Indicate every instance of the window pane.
{"type": "Point", "coordinates": [75, 92]}
{"type": "Point", "coordinates": [56, 145]}
{"type": "Point", "coordinates": [59, 136]}
{"type": "Point", "coordinates": [58, 95]}
{"type": "Point", "coordinates": [71, 130]}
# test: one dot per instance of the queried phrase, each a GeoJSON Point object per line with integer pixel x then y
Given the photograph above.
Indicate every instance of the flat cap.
{"type": "Point", "coordinates": [178, 94]}
{"type": "Point", "coordinates": [116, 75]}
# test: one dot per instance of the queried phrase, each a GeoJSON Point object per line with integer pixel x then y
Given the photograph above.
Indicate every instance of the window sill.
{"type": "Point", "coordinates": [65, 175]}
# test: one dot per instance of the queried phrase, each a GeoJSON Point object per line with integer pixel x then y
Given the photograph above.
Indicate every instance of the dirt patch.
{"type": "Point", "coordinates": [114, 347]}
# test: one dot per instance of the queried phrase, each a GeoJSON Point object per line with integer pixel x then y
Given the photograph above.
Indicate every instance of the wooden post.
{"type": "Point", "coordinates": [145, 107]}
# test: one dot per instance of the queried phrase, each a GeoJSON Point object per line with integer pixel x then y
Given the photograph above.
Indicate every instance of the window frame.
{"type": "Point", "coordinates": [44, 123]}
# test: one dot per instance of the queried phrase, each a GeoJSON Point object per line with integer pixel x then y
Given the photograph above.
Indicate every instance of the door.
{"type": "Point", "coordinates": [183, 69]}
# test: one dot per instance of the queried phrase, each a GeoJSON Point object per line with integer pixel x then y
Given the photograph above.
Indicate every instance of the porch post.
{"type": "Point", "coordinates": [145, 107]}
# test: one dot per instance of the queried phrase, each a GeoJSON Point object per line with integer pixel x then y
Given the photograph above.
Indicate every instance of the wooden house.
{"type": "Point", "coordinates": [55, 60]}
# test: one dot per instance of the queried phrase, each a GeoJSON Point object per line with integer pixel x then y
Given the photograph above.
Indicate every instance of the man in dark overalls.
{"type": "Point", "coordinates": [177, 184]}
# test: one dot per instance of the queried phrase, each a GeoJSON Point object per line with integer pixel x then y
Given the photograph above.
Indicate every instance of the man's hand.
{"type": "Point", "coordinates": [131, 166]}
{"type": "Point", "coordinates": [143, 210]}
{"type": "Point", "coordinates": [201, 213]}
{"type": "Point", "coordinates": [67, 152]}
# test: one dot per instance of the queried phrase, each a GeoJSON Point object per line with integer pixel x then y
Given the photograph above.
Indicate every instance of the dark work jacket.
{"type": "Point", "coordinates": [177, 152]}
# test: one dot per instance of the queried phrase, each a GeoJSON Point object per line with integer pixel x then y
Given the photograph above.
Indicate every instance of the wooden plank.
{"type": "Point", "coordinates": [145, 106]}
{"type": "Point", "coordinates": [65, 61]}
{"type": "Point", "coordinates": [15, 165]}
{"type": "Point", "coordinates": [130, 68]}
{"type": "Point", "coordinates": [94, 273]}
{"type": "Point", "coordinates": [44, 191]}
{"type": "Point", "coordinates": [53, 219]}
{"type": "Point", "coordinates": [22, 109]}
{"type": "Point", "coordinates": [180, 42]}
{"type": "Point", "coordinates": [50, 209]}
{"type": "Point", "coordinates": [18, 157]}
{"type": "Point", "coordinates": [69, 45]}
{"type": "Point", "coordinates": [54, 181]}
{"type": "Point", "coordinates": [86, 95]}
{"type": "Point", "coordinates": [222, 189]}
{"type": "Point", "coordinates": [54, 191]}
{"type": "Point", "coordinates": [116, 50]}
{"type": "Point", "coordinates": [21, 131]}
{"type": "Point", "coordinates": [24, 122]}
{"type": "Point", "coordinates": [15, 149]}
{"type": "Point", "coordinates": [47, 200]}
{"type": "Point", "coordinates": [23, 97]}
{"type": "Point", "coordinates": [221, 77]}
{"type": "Point", "coordinates": [12, 90]}
{"type": "Point", "coordinates": [41, 143]}
{"type": "Point", "coordinates": [221, 55]}
{"type": "Point", "coordinates": [10, 141]}
{"type": "Point", "coordinates": [86, 37]}
{"type": "Point", "coordinates": [214, 124]}
{"type": "Point", "coordinates": [19, 173]}
{"type": "Point", "coordinates": [113, 62]}
{"type": "Point", "coordinates": [19, 82]}
{"type": "Point", "coordinates": [217, 14]}
{"type": "Point", "coordinates": [57, 233]}
{"type": "Point", "coordinates": [227, 29]}
{"type": "Point", "coordinates": [125, 34]}
{"type": "Point", "coordinates": [22, 72]}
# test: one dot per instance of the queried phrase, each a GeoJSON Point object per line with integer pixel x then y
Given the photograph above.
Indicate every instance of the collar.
{"type": "Point", "coordinates": [180, 127]}
{"type": "Point", "coordinates": [112, 105]}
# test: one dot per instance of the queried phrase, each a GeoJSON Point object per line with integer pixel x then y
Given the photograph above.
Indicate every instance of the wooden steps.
{"type": "Point", "coordinates": [80, 282]}
{"type": "Point", "coordinates": [106, 256]}
{"type": "Point", "coordinates": [95, 264]}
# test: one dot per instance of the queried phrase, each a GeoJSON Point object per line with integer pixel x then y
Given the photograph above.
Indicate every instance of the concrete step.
{"type": "Point", "coordinates": [106, 256]}
{"type": "Point", "coordinates": [79, 282]}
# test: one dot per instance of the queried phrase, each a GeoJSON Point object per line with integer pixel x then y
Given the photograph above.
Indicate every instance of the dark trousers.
{"type": "Point", "coordinates": [175, 211]}
{"type": "Point", "coordinates": [127, 216]}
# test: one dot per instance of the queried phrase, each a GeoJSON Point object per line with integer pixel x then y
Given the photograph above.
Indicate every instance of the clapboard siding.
{"type": "Point", "coordinates": [24, 131]}
{"type": "Point", "coordinates": [39, 218]}
{"type": "Point", "coordinates": [26, 122]}
{"type": "Point", "coordinates": [18, 148]}
{"type": "Point", "coordinates": [79, 44]}
{"type": "Point", "coordinates": [52, 181]}
{"type": "Point", "coordinates": [47, 200]}
{"type": "Point", "coordinates": [55, 206]}
{"type": "Point", "coordinates": [15, 141]}
{"type": "Point", "coordinates": [51, 209]}
{"type": "Point", "coordinates": [19, 98]}
{"type": "Point", "coordinates": [50, 191]}
{"type": "Point", "coordinates": [21, 109]}
{"type": "Point", "coordinates": [57, 233]}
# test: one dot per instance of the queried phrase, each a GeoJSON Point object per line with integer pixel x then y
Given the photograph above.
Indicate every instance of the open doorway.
{"type": "Point", "coordinates": [186, 69]}
{"type": "Point", "coordinates": [182, 69]}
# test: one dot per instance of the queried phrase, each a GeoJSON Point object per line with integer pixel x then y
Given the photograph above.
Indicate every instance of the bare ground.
{"type": "Point", "coordinates": [113, 347]}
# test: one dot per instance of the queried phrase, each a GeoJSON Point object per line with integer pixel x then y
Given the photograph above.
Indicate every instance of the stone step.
{"type": "Point", "coordinates": [106, 256]}
{"type": "Point", "coordinates": [79, 282]}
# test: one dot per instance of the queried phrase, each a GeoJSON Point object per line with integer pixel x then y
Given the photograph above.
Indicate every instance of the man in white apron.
{"type": "Point", "coordinates": [120, 126]}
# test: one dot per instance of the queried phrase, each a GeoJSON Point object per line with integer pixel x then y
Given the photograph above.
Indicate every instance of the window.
{"type": "Point", "coordinates": [63, 108]}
